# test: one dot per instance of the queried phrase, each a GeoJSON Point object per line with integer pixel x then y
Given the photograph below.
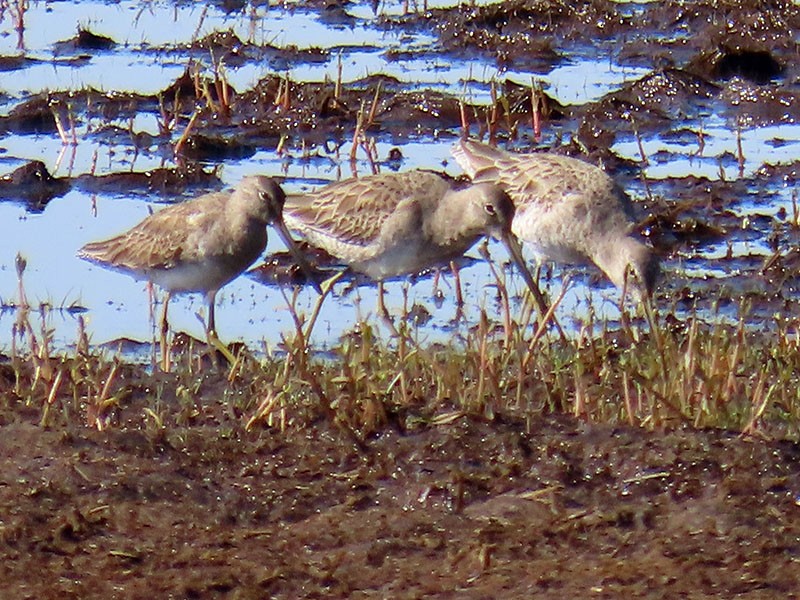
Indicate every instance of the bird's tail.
{"type": "Point", "coordinates": [476, 157]}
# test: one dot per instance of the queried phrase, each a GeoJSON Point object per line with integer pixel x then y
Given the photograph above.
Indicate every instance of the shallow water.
{"type": "Point", "coordinates": [153, 50]}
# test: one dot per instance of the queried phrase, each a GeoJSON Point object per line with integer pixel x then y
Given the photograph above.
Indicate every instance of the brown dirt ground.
{"type": "Point", "coordinates": [471, 509]}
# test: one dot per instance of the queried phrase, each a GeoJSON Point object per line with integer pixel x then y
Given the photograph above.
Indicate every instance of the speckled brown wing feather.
{"type": "Point", "coordinates": [354, 212]}
{"type": "Point", "coordinates": [537, 178]}
{"type": "Point", "coordinates": [548, 179]}
{"type": "Point", "coordinates": [163, 240]}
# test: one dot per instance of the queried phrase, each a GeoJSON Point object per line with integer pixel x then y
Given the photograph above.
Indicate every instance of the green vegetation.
{"type": "Point", "coordinates": [658, 372]}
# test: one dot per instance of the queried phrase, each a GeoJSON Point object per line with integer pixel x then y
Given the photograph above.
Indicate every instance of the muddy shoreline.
{"type": "Point", "coordinates": [471, 508]}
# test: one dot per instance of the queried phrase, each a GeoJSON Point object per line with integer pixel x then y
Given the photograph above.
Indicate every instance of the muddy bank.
{"type": "Point", "coordinates": [554, 508]}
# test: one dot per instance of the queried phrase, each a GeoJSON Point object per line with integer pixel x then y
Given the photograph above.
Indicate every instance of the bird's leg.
{"type": "Point", "coordinates": [211, 299]}
{"type": "Point", "coordinates": [381, 306]}
{"type": "Point", "coordinates": [164, 329]}
{"type": "Point", "coordinates": [151, 300]}
{"type": "Point", "coordinates": [623, 313]}
{"type": "Point", "coordinates": [385, 313]}
{"type": "Point", "coordinates": [538, 296]}
{"type": "Point", "coordinates": [211, 330]}
{"type": "Point", "coordinates": [436, 274]}
{"type": "Point", "coordinates": [457, 282]}
{"type": "Point", "coordinates": [459, 294]}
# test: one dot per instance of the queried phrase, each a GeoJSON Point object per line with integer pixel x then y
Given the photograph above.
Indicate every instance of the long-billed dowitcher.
{"type": "Point", "coordinates": [199, 245]}
{"type": "Point", "coordinates": [568, 210]}
{"type": "Point", "coordinates": [393, 224]}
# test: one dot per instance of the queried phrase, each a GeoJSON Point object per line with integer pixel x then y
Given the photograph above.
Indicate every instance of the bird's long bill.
{"type": "Point", "coordinates": [308, 271]}
{"type": "Point", "coordinates": [514, 249]}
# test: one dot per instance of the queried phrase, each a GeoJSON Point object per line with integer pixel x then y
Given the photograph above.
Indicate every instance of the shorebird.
{"type": "Point", "coordinates": [199, 245]}
{"type": "Point", "coordinates": [568, 210]}
{"type": "Point", "coordinates": [394, 224]}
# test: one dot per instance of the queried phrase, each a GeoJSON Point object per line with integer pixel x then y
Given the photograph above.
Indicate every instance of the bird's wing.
{"type": "Point", "coordinates": [162, 240]}
{"type": "Point", "coordinates": [354, 211]}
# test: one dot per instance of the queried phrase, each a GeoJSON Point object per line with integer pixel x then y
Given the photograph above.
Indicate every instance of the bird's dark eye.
{"type": "Point", "coordinates": [490, 209]}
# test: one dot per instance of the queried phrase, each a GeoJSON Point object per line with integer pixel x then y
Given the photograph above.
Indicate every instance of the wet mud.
{"type": "Point", "coordinates": [543, 506]}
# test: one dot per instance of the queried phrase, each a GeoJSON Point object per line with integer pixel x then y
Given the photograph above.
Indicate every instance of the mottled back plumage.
{"type": "Point", "coordinates": [397, 223]}
{"type": "Point", "coordinates": [197, 245]}
{"type": "Point", "coordinates": [568, 210]}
